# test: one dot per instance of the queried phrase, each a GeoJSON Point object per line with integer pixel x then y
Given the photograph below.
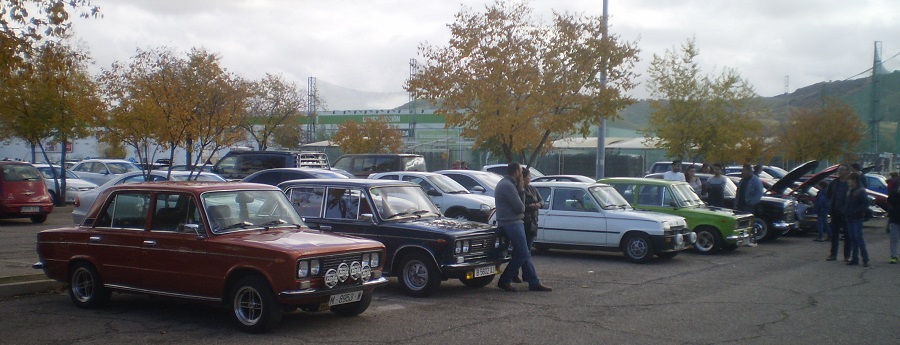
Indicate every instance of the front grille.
{"type": "Point", "coordinates": [744, 222]}
{"type": "Point", "coordinates": [334, 261]}
{"type": "Point", "coordinates": [680, 229]}
{"type": "Point", "coordinates": [789, 212]}
{"type": "Point", "coordinates": [480, 247]}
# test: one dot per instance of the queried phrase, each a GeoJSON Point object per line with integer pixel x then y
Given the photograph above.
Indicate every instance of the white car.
{"type": "Point", "coordinates": [479, 182]}
{"type": "Point", "coordinates": [578, 215]}
{"type": "Point", "coordinates": [454, 200]}
{"type": "Point", "coordinates": [74, 184]}
{"type": "Point", "coordinates": [500, 169]}
{"type": "Point", "coordinates": [99, 171]}
{"type": "Point", "coordinates": [85, 200]}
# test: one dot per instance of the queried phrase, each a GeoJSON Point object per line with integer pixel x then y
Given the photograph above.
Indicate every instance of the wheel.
{"type": "Point", "coordinates": [85, 287]}
{"type": "Point", "coordinates": [355, 308]}
{"type": "Point", "coordinates": [38, 219]}
{"type": "Point", "coordinates": [253, 305]}
{"type": "Point", "coordinates": [709, 241]}
{"type": "Point", "coordinates": [457, 214]}
{"type": "Point", "coordinates": [479, 282]}
{"type": "Point", "coordinates": [761, 231]}
{"type": "Point", "coordinates": [418, 275]}
{"type": "Point", "coordinates": [667, 255]}
{"type": "Point", "coordinates": [637, 248]}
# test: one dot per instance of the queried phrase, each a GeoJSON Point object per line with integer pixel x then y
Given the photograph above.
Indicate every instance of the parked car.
{"type": "Point", "coordinates": [661, 167]}
{"type": "Point", "coordinates": [24, 192]}
{"type": "Point", "coordinates": [454, 200]}
{"type": "Point", "coordinates": [238, 244]}
{"type": "Point", "coordinates": [877, 201]}
{"type": "Point", "coordinates": [238, 164]}
{"type": "Point", "coordinates": [717, 228]}
{"type": "Point", "coordinates": [564, 178]}
{"type": "Point", "coordinates": [275, 176]}
{"type": "Point", "coordinates": [775, 216]}
{"type": "Point", "coordinates": [74, 184]}
{"type": "Point", "coordinates": [85, 200]}
{"type": "Point", "coordinates": [500, 169]}
{"type": "Point", "coordinates": [580, 215]}
{"type": "Point", "coordinates": [770, 171]}
{"type": "Point", "coordinates": [476, 181]}
{"type": "Point", "coordinates": [98, 171]}
{"type": "Point", "coordinates": [185, 167]}
{"type": "Point", "coordinates": [423, 247]}
{"type": "Point", "coordinates": [364, 164]}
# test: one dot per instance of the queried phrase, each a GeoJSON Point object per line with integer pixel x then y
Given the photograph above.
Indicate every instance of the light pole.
{"type": "Point", "coordinates": [601, 130]}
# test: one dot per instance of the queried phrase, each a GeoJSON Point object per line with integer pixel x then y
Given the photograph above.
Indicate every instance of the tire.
{"type": "Point", "coordinates": [38, 219]}
{"type": "Point", "coordinates": [418, 275]}
{"type": "Point", "coordinates": [667, 255]}
{"type": "Point", "coordinates": [355, 308]}
{"type": "Point", "coordinates": [709, 240]}
{"type": "Point", "coordinates": [253, 305]}
{"type": "Point", "coordinates": [479, 282]}
{"type": "Point", "coordinates": [761, 231]}
{"type": "Point", "coordinates": [86, 288]}
{"type": "Point", "coordinates": [459, 215]}
{"type": "Point", "coordinates": [637, 248]}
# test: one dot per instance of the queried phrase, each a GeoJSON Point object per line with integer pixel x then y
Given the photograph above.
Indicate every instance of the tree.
{"type": "Point", "coordinates": [272, 103]}
{"type": "Point", "coordinates": [290, 133]}
{"type": "Point", "coordinates": [372, 135]}
{"type": "Point", "coordinates": [694, 115]}
{"type": "Point", "coordinates": [828, 132]}
{"type": "Point", "coordinates": [511, 83]}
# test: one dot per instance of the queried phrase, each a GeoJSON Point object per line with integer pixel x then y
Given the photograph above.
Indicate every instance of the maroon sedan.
{"type": "Point", "coordinates": [240, 244]}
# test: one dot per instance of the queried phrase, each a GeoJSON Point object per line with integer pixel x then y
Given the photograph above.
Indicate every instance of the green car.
{"type": "Point", "coordinates": [716, 228]}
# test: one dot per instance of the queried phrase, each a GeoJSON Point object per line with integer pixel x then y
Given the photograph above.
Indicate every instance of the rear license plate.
{"type": "Point", "coordinates": [31, 209]}
{"type": "Point", "coordinates": [343, 298]}
{"type": "Point", "coordinates": [485, 271]}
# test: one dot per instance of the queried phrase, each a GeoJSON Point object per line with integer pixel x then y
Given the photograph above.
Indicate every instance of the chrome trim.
{"type": "Point", "coordinates": [161, 293]}
{"type": "Point", "coordinates": [783, 225]}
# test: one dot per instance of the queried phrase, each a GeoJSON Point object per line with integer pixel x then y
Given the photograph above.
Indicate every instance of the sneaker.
{"type": "Point", "coordinates": [853, 263]}
{"type": "Point", "coordinates": [894, 260]}
{"type": "Point", "coordinates": [830, 258]}
{"type": "Point", "coordinates": [846, 259]}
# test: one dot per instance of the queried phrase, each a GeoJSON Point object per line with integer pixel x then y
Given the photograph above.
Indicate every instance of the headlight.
{"type": "Point", "coordinates": [71, 189]}
{"type": "Point", "coordinates": [666, 226]}
{"type": "Point", "coordinates": [314, 267]}
{"type": "Point", "coordinates": [466, 246]}
{"type": "Point", "coordinates": [302, 269]}
{"type": "Point", "coordinates": [376, 260]}
{"type": "Point", "coordinates": [486, 208]}
{"type": "Point", "coordinates": [458, 248]}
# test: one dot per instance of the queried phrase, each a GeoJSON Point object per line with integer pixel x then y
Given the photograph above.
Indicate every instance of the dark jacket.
{"type": "Point", "coordinates": [856, 204]}
{"type": "Point", "coordinates": [894, 203]}
{"type": "Point", "coordinates": [510, 202]}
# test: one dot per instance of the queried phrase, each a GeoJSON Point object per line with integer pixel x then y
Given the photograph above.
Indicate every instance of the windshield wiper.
{"type": "Point", "coordinates": [395, 215]}
{"type": "Point", "coordinates": [421, 212]}
{"type": "Point", "coordinates": [273, 222]}
{"type": "Point", "coordinates": [237, 225]}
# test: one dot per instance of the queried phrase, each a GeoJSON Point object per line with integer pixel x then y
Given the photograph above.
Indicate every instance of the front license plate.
{"type": "Point", "coordinates": [485, 271]}
{"type": "Point", "coordinates": [343, 298]}
{"type": "Point", "coordinates": [31, 209]}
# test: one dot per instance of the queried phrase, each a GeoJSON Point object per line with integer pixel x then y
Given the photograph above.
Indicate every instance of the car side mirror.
{"type": "Point", "coordinates": [673, 204]}
{"type": "Point", "coordinates": [367, 217]}
{"type": "Point", "coordinates": [193, 228]}
{"type": "Point", "coordinates": [479, 189]}
{"type": "Point", "coordinates": [434, 193]}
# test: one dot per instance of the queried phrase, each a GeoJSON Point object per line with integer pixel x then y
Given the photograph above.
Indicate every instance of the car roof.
{"type": "Point", "coordinates": [639, 180]}
{"type": "Point", "coordinates": [465, 172]}
{"type": "Point", "coordinates": [566, 184]}
{"type": "Point", "coordinates": [352, 182]}
{"type": "Point", "coordinates": [192, 186]}
{"type": "Point", "coordinates": [420, 173]}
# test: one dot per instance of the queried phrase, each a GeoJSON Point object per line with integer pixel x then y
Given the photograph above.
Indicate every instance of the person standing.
{"type": "Point", "coordinates": [837, 193]}
{"type": "Point", "coordinates": [855, 211]}
{"type": "Point", "coordinates": [715, 187]}
{"type": "Point", "coordinates": [690, 176]}
{"type": "Point", "coordinates": [820, 207]}
{"type": "Point", "coordinates": [894, 221]}
{"type": "Point", "coordinates": [749, 194]}
{"type": "Point", "coordinates": [674, 174]}
{"type": "Point", "coordinates": [855, 168]}
{"type": "Point", "coordinates": [509, 197]}
{"type": "Point", "coordinates": [533, 203]}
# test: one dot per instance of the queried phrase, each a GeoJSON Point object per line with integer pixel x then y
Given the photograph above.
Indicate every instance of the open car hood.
{"type": "Point", "coordinates": [793, 176]}
{"type": "Point", "coordinates": [818, 177]}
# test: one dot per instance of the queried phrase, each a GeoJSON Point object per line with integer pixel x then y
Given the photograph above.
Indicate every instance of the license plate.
{"type": "Point", "coordinates": [343, 298]}
{"type": "Point", "coordinates": [485, 271]}
{"type": "Point", "coordinates": [31, 209]}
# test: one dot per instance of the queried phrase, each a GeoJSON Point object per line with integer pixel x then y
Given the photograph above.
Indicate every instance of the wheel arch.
{"type": "Point", "coordinates": [409, 249]}
{"type": "Point", "coordinates": [237, 274]}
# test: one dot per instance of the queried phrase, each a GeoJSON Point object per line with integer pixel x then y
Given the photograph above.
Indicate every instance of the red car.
{"type": "Point", "coordinates": [240, 244]}
{"type": "Point", "coordinates": [23, 193]}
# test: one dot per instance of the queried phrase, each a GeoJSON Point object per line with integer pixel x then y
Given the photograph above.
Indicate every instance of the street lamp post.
{"type": "Point", "coordinates": [601, 130]}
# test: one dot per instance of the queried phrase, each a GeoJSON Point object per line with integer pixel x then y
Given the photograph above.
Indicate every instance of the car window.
{"type": "Point", "coordinates": [121, 168]}
{"type": "Point", "coordinates": [248, 210]}
{"type": "Point", "coordinates": [307, 200]}
{"type": "Point", "coordinates": [626, 190]}
{"type": "Point", "coordinates": [343, 203]}
{"type": "Point", "coordinates": [173, 210]}
{"type": "Point", "coordinates": [133, 179]}
{"type": "Point", "coordinates": [84, 167]}
{"type": "Point", "coordinates": [464, 180]}
{"type": "Point", "coordinates": [254, 163]}
{"type": "Point", "coordinates": [19, 173]}
{"type": "Point", "coordinates": [652, 196]}
{"type": "Point", "coordinates": [414, 164]}
{"type": "Point", "coordinates": [268, 177]}
{"type": "Point", "coordinates": [227, 165]}
{"type": "Point", "coordinates": [389, 177]}
{"type": "Point", "coordinates": [545, 196]}
{"type": "Point", "coordinates": [422, 182]}
{"type": "Point", "coordinates": [572, 199]}
{"type": "Point", "coordinates": [99, 168]}
{"type": "Point", "coordinates": [126, 210]}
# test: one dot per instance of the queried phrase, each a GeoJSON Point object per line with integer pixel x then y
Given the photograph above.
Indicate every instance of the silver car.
{"type": "Point", "coordinates": [74, 184]}
{"type": "Point", "coordinates": [101, 170]}
{"type": "Point", "coordinates": [85, 200]}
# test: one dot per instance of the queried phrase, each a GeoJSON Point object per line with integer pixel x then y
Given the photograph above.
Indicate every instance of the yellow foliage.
{"type": "Point", "coordinates": [372, 135]}
{"type": "Point", "coordinates": [828, 132]}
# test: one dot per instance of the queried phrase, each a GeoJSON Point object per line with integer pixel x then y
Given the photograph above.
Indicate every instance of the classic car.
{"type": "Point", "coordinates": [579, 215]}
{"type": "Point", "coordinates": [563, 178]}
{"type": "Point", "coordinates": [717, 228]}
{"type": "Point", "coordinates": [240, 244]}
{"type": "Point", "coordinates": [454, 200]}
{"type": "Point", "coordinates": [423, 247]}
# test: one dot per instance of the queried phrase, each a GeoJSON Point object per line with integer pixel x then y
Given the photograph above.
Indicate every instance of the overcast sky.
{"type": "Point", "coordinates": [366, 45]}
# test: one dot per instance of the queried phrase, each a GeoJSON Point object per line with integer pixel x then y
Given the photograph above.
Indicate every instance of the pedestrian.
{"type": "Point", "coordinates": [690, 176]}
{"type": "Point", "coordinates": [855, 211]}
{"type": "Point", "coordinates": [749, 194]}
{"type": "Point", "coordinates": [820, 207]}
{"type": "Point", "coordinates": [509, 198]}
{"type": "Point", "coordinates": [837, 194]}
{"type": "Point", "coordinates": [674, 174]}
{"type": "Point", "coordinates": [855, 168]}
{"type": "Point", "coordinates": [894, 220]}
{"type": "Point", "coordinates": [758, 169]}
{"type": "Point", "coordinates": [715, 187]}
{"type": "Point", "coordinates": [463, 165]}
{"type": "Point", "coordinates": [533, 203]}
{"type": "Point", "coordinates": [705, 169]}
{"type": "Point", "coordinates": [456, 165]}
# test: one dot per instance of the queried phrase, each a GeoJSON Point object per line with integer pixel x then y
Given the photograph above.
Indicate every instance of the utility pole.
{"type": "Point", "coordinates": [601, 130]}
{"type": "Point", "coordinates": [311, 99]}
{"type": "Point", "coordinates": [876, 100]}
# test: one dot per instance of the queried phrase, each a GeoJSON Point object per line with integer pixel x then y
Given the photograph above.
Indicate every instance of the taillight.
{"type": "Point", "coordinates": [77, 202]}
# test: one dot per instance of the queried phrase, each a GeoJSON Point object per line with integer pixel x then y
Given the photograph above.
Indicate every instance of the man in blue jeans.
{"type": "Point", "coordinates": [509, 197]}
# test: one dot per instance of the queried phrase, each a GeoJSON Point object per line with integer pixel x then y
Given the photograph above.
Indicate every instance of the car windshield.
{"type": "Point", "coordinates": [326, 174]}
{"type": "Point", "coordinates": [233, 211]}
{"type": "Point", "coordinates": [121, 168]}
{"type": "Point", "coordinates": [608, 198]}
{"type": "Point", "coordinates": [684, 195]}
{"type": "Point", "coordinates": [447, 185]}
{"type": "Point", "coordinates": [490, 179]}
{"type": "Point", "coordinates": [401, 202]}
{"type": "Point", "coordinates": [197, 177]}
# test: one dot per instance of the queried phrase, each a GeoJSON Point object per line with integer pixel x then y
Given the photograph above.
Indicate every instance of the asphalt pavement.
{"type": "Point", "coordinates": [18, 254]}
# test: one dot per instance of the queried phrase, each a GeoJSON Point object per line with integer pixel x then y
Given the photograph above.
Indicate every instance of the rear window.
{"type": "Point", "coordinates": [19, 173]}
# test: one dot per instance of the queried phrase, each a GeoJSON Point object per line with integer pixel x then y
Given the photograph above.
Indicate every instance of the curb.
{"type": "Point", "coordinates": [29, 287]}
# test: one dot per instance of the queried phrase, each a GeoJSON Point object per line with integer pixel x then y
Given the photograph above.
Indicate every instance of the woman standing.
{"type": "Point", "coordinates": [691, 177]}
{"type": "Point", "coordinates": [715, 187]}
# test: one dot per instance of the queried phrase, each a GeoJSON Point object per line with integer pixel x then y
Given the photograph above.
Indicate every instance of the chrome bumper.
{"type": "Point", "coordinates": [305, 293]}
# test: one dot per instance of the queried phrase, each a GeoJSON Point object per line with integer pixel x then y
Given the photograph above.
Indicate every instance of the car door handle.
{"type": "Point", "coordinates": [325, 227]}
{"type": "Point", "coordinates": [94, 239]}
{"type": "Point", "coordinates": [149, 243]}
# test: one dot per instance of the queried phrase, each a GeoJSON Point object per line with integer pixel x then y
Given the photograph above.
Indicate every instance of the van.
{"type": "Point", "coordinates": [24, 192]}
{"type": "Point", "coordinates": [237, 165]}
{"type": "Point", "coordinates": [364, 164]}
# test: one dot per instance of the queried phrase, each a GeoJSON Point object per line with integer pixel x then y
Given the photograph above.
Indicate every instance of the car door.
{"type": "Point", "coordinates": [117, 237]}
{"type": "Point", "coordinates": [573, 218]}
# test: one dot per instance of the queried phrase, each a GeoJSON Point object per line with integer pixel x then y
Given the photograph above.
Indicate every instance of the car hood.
{"type": "Point", "coordinates": [442, 225]}
{"type": "Point", "coordinates": [648, 215]}
{"type": "Point", "coordinates": [713, 210]}
{"type": "Point", "coordinates": [793, 176]}
{"type": "Point", "coordinates": [471, 199]}
{"type": "Point", "coordinates": [818, 177]}
{"type": "Point", "coordinates": [74, 182]}
{"type": "Point", "coordinates": [306, 242]}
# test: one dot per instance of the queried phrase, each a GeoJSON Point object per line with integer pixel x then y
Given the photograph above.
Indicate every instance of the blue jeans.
{"type": "Point", "coordinates": [837, 223]}
{"type": "Point", "coordinates": [857, 244]}
{"type": "Point", "coordinates": [521, 256]}
{"type": "Point", "coordinates": [895, 239]}
{"type": "Point", "coordinates": [822, 225]}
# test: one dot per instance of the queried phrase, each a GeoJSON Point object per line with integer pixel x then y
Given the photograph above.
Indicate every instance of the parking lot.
{"type": "Point", "coordinates": [777, 293]}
